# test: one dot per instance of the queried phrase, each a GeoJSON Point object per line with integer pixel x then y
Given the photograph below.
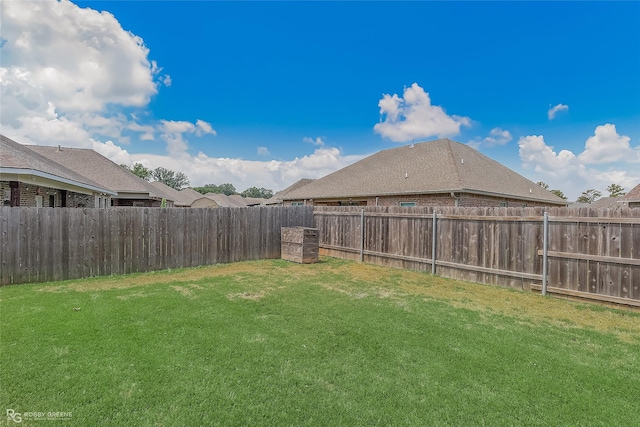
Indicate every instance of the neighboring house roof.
{"type": "Point", "coordinates": [281, 195]}
{"type": "Point", "coordinates": [179, 198]}
{"type": "Point", "coordinates": [632, 196]}
{"type": "Point", "coordinates": [246, 201]}
{"type": "Point", "coordinates": [18, 159]}
{"type": "Point", "coordinates": [430, 167]}
{"type": "Point", "coordinates": [224, 201]}
{"type": "Point", "coordinates": [98, 168]}
{"type": "Point", "coordinates": [190, 193]}
{"type": "Point", "coordinates": [602, 202]}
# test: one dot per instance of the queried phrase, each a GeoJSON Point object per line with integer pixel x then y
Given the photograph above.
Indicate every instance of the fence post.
{"type": "Point", "coordinates": [362, 235]}
{"type": "Point", "coordinates": [545, 244]}
{"type": "Point", "coordinates": [433, 242]}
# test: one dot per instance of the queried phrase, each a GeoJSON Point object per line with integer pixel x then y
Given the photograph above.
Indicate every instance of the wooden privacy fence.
{"type": "Point", "coordinates": [590, 253]}
{"type": "Point", "coordinates": [47, 244]}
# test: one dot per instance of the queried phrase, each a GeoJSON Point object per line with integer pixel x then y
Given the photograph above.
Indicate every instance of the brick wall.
{"type": "Point", "coordinates": [147, 203]}
{"type": "Point", "coordinates": [429, 200]}
{"type": "Point", "coordinates": [28, 193]}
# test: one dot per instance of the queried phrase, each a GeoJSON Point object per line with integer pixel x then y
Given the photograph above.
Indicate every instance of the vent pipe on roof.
{"type": "Point", "coordinates": [462, 161]}
{"type": "Point", "coordinates": [59, 148]}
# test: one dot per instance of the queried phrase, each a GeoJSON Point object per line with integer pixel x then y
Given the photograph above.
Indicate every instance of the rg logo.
{"type": "Point", "coordinates": [14, 416]}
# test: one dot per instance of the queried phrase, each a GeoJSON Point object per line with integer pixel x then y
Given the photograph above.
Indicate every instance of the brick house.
{"type": "Point", "coordinates": [130, 189]}
{"type": "Point", "coordinates": [31, 180]}
{"type": "Point", "coordinates": [434, 173]}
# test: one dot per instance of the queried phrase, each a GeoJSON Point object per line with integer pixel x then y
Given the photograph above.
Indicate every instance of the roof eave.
{"type": "Point", "coordinates": [45, 175]}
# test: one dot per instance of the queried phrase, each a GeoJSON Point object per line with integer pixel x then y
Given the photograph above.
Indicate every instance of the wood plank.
{"type": "Point", "coordinates": [594, 220]}
{"type": "Point", "coordinates": [588, 295]}
{"type": "Point", "coordinates": [608, 259]}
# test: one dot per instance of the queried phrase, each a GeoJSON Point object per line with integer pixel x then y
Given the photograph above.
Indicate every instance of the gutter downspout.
{"type": "Point", "coordinates": [456, 198]}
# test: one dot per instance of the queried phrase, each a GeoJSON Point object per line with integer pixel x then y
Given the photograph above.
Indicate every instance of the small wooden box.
{"type": "Point", "coordinates": [299, 244]}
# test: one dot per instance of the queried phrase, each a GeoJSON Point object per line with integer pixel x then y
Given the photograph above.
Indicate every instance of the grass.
{"type": "Point", "coordinates": [334, 343]}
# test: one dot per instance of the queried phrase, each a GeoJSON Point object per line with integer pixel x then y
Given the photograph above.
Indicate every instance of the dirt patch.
{"type": "Point", "coordinates": [253, 296]}
{"type": "Point", "coordinates": [184, 291]}
{"type": "Point", "coordinates": [529, 306]}
{"type": "Point", "coordinates": [133, 295]}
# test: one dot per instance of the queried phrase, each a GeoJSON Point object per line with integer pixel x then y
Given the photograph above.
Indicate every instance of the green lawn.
{"type": "Point", "coordinates": [334, 343]}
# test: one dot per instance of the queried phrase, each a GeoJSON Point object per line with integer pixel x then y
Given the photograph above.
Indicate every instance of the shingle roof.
{"type": "Point", "coordinates": [22, 157]}
{"type": "Point", "coordinates": [605, 202]}
{"type": "Point", "coordinates": [98, 168]}
{"type": "Point", "coordinates": [428, 167]}
{"type": "Point", "coordinates": [190, 193]}
{"type": "Point", "coordinates": [281, 195]}
{"type": "Point", "coordinates": [179, 198]}
{"type": "Point", "coordinates": [632, 196]}
{"type": "Point", "coordinates": [224, 201]}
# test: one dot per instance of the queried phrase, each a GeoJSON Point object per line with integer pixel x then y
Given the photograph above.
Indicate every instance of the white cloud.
{"type": "Point", "coordinates": [496, 136]}
{"type": "Point", "coordinates": [67, 73]}
{"type": "Point", "coordinates": [263, 151]}
{"type": "Point", "coordinates": [79, 59]}
{"type": "Point", "coordinates": [414, 117]}
{"type": "Point", "coordinates": [276, 175]}
{"type": "Point", "coordinates": [203, 128]}
{"type": "Point", "coordinates": [553, 110]}
{"type": "Point", "coordinates": [318, 141]}
{"type": "Point", "coordinates": [166, 80]}
{"type": "Point", "coordinates": [596, 167]}
{"type": "Point", "coordinates": [606, 146]}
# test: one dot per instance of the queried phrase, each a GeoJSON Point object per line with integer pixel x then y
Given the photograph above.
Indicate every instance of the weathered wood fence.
{"type": "Point", "coordinates": [591, 253]}
{"type": "Point", "coordinates": [47, 244]}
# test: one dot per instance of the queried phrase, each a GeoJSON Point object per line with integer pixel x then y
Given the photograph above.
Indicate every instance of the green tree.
{"type": "Point", "coordinates": [543, 185]}
{"type": "Point", "coordinates": [227, 189]}
{"type": "Point", "coordinates": [559, 193]}
{"type": "Point", "coordinates": [209, 188]}
{"type": "Point", "coordinates": [175, 180]}
{"type": "Point", "coordinates": [260, 193]}
{"type": "Point", "coordinates": [589, 196]}
{"type": "Point", "coordinates": [616, 190]}
{"type": "Point", "coordinates": [139, 170]}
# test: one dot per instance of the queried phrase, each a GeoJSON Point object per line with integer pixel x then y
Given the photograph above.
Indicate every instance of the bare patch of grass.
{"type": "Point", "coordinates": [253, 296]}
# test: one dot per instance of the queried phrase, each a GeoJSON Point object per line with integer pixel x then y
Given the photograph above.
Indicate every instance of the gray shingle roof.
{"type": "Point", "coordinates": [190, 193]}
{"type": "Point", "coordinates": [98, 168]}
{"type": "Point", "coordinates": [281, 195]}
{"type": "Point", "coordinates": [179, 198]}
{"type": "Point", "coordinates": [605, 202]}
{"type": "Point", "coordinates": [439, 166]}
{"type": "Point", "coordinates": [22, 157]}
{"type": "Point", "coordinates": [224, 201]}
{"type": "Point", "coordinates": [632, 196]}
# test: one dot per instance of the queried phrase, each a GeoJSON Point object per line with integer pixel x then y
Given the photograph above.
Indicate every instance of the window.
{"type": "Point", "coordinates": [52, 200]}
{"type": "Point", "coordinates": [297, 203]}
{"type": "Point", "coordinates": [408, 204]}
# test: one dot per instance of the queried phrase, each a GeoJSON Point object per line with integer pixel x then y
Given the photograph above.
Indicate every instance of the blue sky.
{"type": "Point", "coordinates": [263, 94]}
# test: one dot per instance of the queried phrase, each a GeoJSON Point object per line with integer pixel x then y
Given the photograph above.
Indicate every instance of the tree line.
{"type": "Point", "coordinates": [179, 181]}
{"type": "Point", "coordinates": [588, 196]}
